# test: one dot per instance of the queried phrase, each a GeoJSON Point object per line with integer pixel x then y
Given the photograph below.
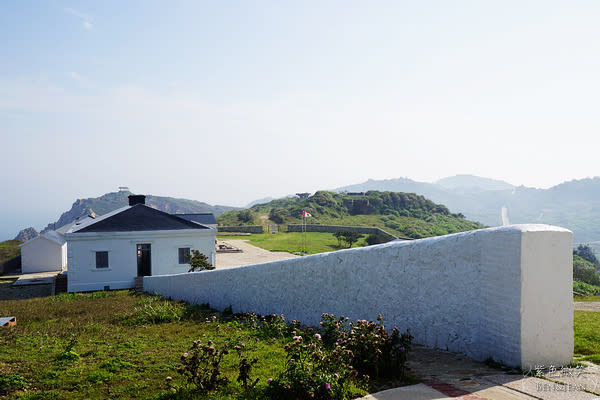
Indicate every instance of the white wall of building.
{"type": "Point", "coordinates": [42, 255]}
{"type": "Point", "coordinates": [122, 255]}
{"type": "Point", "coordinates": [504, 293]}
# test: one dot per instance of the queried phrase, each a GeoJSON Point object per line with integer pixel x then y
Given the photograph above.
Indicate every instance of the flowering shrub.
{"type": "Point", "coordinates": [311, 372]}
{"type": "Point", "coordinates": [375, 352]}
{"type": "Point", "coordinates": [201, 366]}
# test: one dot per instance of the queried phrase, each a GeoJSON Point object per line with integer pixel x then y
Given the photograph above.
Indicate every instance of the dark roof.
{"type": "Point", "coordinates": [201, 218]}
{"type": "Point", "coordinates": [140, 218]}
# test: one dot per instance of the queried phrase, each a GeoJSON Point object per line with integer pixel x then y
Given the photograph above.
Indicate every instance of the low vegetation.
{"type": "Point", "coordinates": [9, 249]}
{"type": "Point", "coordinates": [316, 242]}
{"type": "Point", "coordinates": [402, 214]}
{"type": "Point", "coordinates": [587, 335]}
{"type": "Point", "coordinates": [118, 345]}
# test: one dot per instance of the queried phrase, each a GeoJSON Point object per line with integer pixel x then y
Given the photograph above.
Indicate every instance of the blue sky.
{"type": "Point", "coordinates": [229, 102]}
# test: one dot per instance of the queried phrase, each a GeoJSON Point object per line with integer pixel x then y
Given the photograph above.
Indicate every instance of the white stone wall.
{"type": "Point", "coordinates": [502, 292]}
{"type": "Point", "coordinates": [42, 255]}
{"type": "Point", "coordinates": [122, 256]}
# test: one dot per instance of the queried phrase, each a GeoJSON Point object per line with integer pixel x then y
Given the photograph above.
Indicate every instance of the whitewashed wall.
{"type": "Point", "coordinates": [42, 255]}
{"type": "Point", "coordinates": [504, 293]}
{"type": "Point", "coordinates": [122, 256]}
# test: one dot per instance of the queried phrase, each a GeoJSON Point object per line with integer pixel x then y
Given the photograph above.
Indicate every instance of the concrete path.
{"type": "Point", "coordinates": [447, 375]}
{"type": "Point", "coordinates": [587, 305]}
{"type": "Point", "coordinates": [39, 278]}
{"type": "Point", "coordinates": [250, 255]}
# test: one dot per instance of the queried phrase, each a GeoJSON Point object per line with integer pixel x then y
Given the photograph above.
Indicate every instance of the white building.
{"type": "Point", "coordinates": [47, 252]}
{"type": "Point", "coordinates": [110, 251]}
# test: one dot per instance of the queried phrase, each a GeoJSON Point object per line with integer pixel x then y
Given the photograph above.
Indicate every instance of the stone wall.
{"type": "Point", "coordinates": [504, 293]}
{"type": "Point", "coordinates": [241, 229]}
{"type": "Point", "coordinates": [340, 228]}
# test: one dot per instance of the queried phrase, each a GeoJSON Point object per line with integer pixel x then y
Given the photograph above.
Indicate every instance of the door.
{"type": "Point", "coordinates": [143, 260]}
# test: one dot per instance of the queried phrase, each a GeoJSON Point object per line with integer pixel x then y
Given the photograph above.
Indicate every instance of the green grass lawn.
{"type": "Point", "coordinates": [291, 242]}
{"type": "Point", "coordinates": [587, 335]}
{"type": "Point", "coordinates": [9, 249]}
{"type": "Point", "coordinates": [115, 344]}
{"type": "Point", "coordinates": [119, 355]}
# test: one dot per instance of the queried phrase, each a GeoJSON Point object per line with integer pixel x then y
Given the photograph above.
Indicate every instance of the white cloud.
{"type": "Point", "coordinates": [84, 17]}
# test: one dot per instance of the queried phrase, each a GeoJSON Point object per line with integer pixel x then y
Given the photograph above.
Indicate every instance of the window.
{"type": "Point", "coordinates": [184, 255]}
{"type": "Point", "coordinates": [102, 259]}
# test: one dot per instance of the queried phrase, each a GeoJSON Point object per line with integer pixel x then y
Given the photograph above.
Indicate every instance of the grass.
{"type": "Point", "coordinates": [118, 345]}
{"type": "Point", "coordinates": [587, 335]}
{"type": "Point", "coordinates": [291, 242]}
{"type": "Point", "coordinates": [109, 345]}
{"type": "Point", "coordinates": [586, 298]}
{"type": "Point", "coordinates": [9, 249]}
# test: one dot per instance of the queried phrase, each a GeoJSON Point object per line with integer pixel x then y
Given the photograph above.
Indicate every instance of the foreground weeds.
{"type": "Point", "coordinates": [118, 345]}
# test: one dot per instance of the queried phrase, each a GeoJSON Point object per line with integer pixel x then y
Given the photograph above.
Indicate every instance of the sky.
{"type": "Point", "coordinates": [228, 102]}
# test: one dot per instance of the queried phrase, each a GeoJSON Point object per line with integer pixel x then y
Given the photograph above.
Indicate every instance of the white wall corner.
{"type": "Point", "coordinates": [546, 297]}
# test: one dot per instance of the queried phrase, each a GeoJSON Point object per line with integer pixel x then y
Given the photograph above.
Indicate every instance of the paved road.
{"type": "Point", "coordinates": [250, 255]}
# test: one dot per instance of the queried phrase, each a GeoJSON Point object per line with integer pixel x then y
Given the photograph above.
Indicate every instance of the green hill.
{"type": "Point", "coordinates": [402, 214]}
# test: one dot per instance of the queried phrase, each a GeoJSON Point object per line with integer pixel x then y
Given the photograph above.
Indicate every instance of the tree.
{"type": "Point", "coordinates": [339, 236]}
{"type": "Point", "coordinates": [351, 237]}
{"type": "Point", "coordinates": [246, 217]}
{"type": "Point", "coordinates": [585, 271]}
{"type": "Point", "coordinates": [199, 262]}
{"type": "Point", "coordinates": [586, 252]}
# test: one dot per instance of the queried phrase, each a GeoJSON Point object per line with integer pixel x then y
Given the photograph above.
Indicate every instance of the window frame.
{"type": "Point", "coordinates": [181, 255]}
{"type": "Point", "coordinates": [100, 253]}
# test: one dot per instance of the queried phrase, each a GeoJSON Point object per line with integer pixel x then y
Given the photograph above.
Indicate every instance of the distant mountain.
{"type": "Point", "coordinates": [473, 182]}
{"type": "Point", "coordinates": [574, 205]}
{"type": "Point", "coordinates": [260, 201]}
{"type": "Point", "coordinates": [111, 201]}
{"type": "Point", "coordinates": [401, 214]}
{"type": "Point", "coordinates": [27, 234]}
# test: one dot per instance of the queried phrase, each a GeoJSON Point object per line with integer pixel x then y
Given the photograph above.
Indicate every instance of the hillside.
{"type": "Point", "coordinates": [9, 249]}
{"type": "Point", "coordinates": [402, 214]}
{"type": "Point", "coordinates": [111, 201]}
{"type": "Point", "coordinates": [574, 205]}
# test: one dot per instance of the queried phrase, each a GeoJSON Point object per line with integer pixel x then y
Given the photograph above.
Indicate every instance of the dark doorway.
{"type": "Point", "coordinates": [143, 260]}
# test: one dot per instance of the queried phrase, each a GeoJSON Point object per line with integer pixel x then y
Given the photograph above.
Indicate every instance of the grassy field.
{"type": "Point", "coordinates": [587, 335]}
{"type": "Point", "coordinates": [120, 355]}
{"type": "Point", "coordinates": [119, 345]}
{"type": "Point", "coordinates": [9, 249]}
{"type": "Point", "coordinates": [292, 242]}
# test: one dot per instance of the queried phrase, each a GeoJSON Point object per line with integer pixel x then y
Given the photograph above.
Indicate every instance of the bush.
{"type": "Point", "coordinates": [375, 238]}
{"type": "Point", "coordinates": [375, 352]}
{"type": "Point", "coordinates": [199, 262]}
{"type": "Point", "coordinates": [585, 271]}
{"type": "Point", "coordinates": [201, 366]}
{"type": "Point", "coordinates": [585, 289]}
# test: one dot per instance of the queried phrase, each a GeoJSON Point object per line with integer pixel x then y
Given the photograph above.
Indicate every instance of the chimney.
{"type": "Point", "coordinates": [136, 199]}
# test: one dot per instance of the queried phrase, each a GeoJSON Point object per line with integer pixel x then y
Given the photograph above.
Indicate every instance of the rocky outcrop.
{"type": "Point", "coordinates": [108, 202]}
{"type": "Point", "coordinates": [27, 234]}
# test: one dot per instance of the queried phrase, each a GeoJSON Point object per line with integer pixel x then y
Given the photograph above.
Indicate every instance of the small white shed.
{"type": "Point", "coordinates": [45, 253]}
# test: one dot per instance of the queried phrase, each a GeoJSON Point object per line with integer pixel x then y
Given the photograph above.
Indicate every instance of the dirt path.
{"type": "Point", "coordinates": [587, 305]}
{"type": "Point", "coordinates": [250, 255]}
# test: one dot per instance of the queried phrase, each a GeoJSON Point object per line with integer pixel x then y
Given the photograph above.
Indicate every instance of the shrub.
{"type": "Point", "coordinates": [201, 366]}
{"type": "Point", "coordinates": [199, 262]}
{"type": "Point", "coordinates": [374, 352]}
{"type": "Point", "coordinates": [312, 373]}
{"type": "Point", "coordinates": [375, 238]}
